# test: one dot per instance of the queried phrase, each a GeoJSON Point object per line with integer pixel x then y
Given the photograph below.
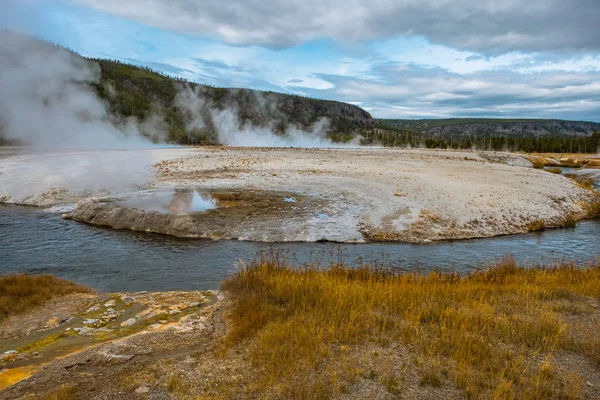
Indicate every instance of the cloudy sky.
{"type": "Point", "coordinates": [395, 58]}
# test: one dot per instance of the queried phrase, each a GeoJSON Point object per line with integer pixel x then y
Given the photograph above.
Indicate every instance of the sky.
{"type": "Point", "coordinates": [394, 58]}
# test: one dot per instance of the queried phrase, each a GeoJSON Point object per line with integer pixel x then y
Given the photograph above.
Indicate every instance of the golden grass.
{"type": "Point", "coordinates": [20, 293]}
{"type": "Point", "coordinates": [553, 170]}
{"type": "Point", "coordinates": [570, 221]}
{"type": "Point", "coordinates": [309, 333]}
{"type": "Point", "coordinates": [63, 393]}
{"type": "Point", "coordinates": [584, 181]}
{"type": "Point", "coordinates": [592, 209]}
{"type": "Point", "coordinates": [537, 163]}
{"type": "Point", "coordinates": [536, 226]}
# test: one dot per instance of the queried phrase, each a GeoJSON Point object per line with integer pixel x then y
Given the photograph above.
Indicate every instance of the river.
{"type": "Point", "coordinates": [35, 241]}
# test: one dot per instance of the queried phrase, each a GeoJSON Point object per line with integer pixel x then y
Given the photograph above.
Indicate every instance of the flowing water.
{"type": "Point", "coordinates": [35, 241]}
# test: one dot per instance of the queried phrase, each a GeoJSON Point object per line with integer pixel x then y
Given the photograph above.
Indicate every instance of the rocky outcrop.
{"type": "Point", "coordinates": [102, 213]}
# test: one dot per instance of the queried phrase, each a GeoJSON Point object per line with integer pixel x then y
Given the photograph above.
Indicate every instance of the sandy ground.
{"type": "Point", "coordinates": [345, 195]}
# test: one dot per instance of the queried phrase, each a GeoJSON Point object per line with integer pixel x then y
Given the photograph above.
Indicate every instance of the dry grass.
{"type": "Point", "coordinates": [536, 226]}
{"type": "Point", "coordinates": [553, 170]}
{"type": "Point", "coordinates": [570, 221]}
{"type": "Point", "coordinates": [537, 163]}
{"type": "Point", "coordinates": [62, 393]}
{"type": "Point", "coordinates": [20, 293]}
{"type": "Point", "coordinates": [592, 208]}
{"type": "Point", "coordinates": [584, 181]}
{"type": "Point", "coordinates": [491, 334]}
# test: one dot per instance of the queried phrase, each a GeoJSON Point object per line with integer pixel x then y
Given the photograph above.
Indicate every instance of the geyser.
{"type": "Point", "coordinates": [169, 201]}
{"type": "Point", "coordinates": [200, 203]}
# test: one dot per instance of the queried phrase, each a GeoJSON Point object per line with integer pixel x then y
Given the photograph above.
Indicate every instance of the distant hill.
{"type": "Point", "coordinates": [484, 127]}
{"type": "Point", "coordinates": [137, 91]}
{"type": "Point", "coordinates": [133, 91]}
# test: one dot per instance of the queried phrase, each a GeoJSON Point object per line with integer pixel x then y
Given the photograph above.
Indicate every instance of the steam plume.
{"type": "Point", "coordinates": [47, 101]}
{"type": "Point", "coordinates": [202, 114]}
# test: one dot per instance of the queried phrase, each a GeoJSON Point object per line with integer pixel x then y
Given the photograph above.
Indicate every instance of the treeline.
{"type": "Point", "coordinates": [540, 144]}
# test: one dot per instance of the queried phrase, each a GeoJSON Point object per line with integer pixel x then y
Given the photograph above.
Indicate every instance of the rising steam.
{"type": "Point", "coordinates": [47, 99]}
{"type": "Point", "coordinates": [48, 103]}
{"type": "Point", "coordinates": [202, 114]}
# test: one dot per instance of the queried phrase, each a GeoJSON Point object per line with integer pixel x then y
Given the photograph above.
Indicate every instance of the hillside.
{"type": "Point", "coordinates": [141, 92]}
{"type": "Point", "coordinates": [172, 109]}
{"type": "Point", "coordinates": [526, 135]}
{"type": "Point", "coordinates": [485, 127]}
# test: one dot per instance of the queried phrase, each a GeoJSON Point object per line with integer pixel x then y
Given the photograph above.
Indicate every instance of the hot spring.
{"type": "Point", "coordinates": [169, 201]}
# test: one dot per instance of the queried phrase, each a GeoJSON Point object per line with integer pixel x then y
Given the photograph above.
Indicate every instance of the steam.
{"type": "Point", "coordinates": [202, 114]}
{"type": "Point", "coordinates": [169, 201]}
{"type": "Point", "coordinates": [233, 133]}
{"type": "Point", "coordinates": [193, 105]}
{"type": "Point", "coordinates": [201, 203]}
{"type": "Point", "coordinates": [47, 101]}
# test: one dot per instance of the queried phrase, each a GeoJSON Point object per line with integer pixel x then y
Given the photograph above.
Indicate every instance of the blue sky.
{"type": "Point", "coordinates": [396, 59]}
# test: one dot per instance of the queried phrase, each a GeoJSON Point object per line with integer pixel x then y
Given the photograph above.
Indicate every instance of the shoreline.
{"type": "Point", "coordinates": [348, 195]}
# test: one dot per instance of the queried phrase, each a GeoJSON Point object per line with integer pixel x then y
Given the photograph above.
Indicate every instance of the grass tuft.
{"type": "Point", "coordinates": [592, 209]}
{"type": "Point", "coordinates": [570, 221]}
{"type": "Point", "coordinates": [584, 181]}
{"type": "Point", "coordinates": [536, 226]}
{"type": "Point", "coordinates": [553, 170]}
{"type": "Point", "coordinates": [20, 293]}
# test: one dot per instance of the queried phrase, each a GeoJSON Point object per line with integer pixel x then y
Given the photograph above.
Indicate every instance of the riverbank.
{"type": "Point", "coordinates": [340, 195]}
{"type": "Point", "coordinates": [508, 332]}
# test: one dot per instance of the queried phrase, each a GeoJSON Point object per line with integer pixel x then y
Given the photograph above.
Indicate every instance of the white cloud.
{"type": "Point", "coordinates": [487, 57]}
{"type": "Point", "coordinates": [488, 26]}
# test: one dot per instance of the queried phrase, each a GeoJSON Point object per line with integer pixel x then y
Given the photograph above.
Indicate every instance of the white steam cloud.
{"type": "Point", "coordinates": [46, 99]}
{"type": "Point", "coordinates": [48, 103]}
{"type": "Point", "coordinates": [231, 132]}
{"type": "Point", "coordinates": [78, 149]}
{"type": "Point", "coordinates": [201, 113]}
